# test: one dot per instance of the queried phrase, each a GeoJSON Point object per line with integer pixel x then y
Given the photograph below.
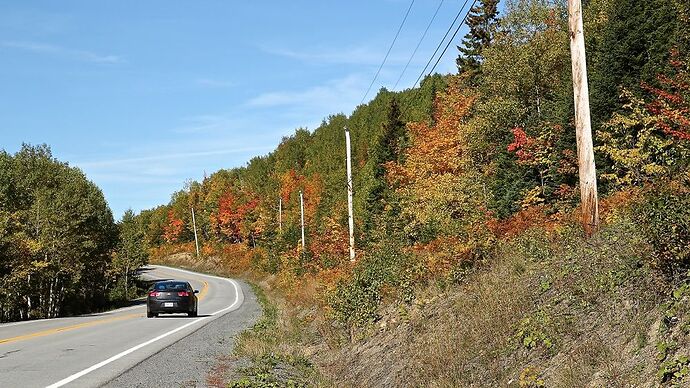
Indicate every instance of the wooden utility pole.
{"type": "Point", "coordinates": [583, 125]}
{"type": "Point", "coordinates": [350, 216]}
{"type": "Point", "coordinates": [301, 207]}
{"type": "Point", "coordinates": [280, 214]}
{"type": "Point", "coordinates": [196, 241]}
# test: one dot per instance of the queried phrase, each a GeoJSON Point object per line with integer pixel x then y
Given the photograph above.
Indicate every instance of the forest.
{"type": "Point", "coordinates": [61, 252]}
{"type": "Point", "coordinates": [449, 178]}
{"type": "Point", "coordinates": [455, 162]}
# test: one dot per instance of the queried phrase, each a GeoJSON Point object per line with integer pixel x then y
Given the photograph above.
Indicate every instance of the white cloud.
{"type": "Point", "coordinates": [361, 55]}
{"type": "Point", "coordinates": [214, 83]}
{"type": "Point", "coordinates": [153, 170]}
{"type": "Point", "coordinates": [337, 95]}
{"type": "Point", "coordinates": [48, 49]}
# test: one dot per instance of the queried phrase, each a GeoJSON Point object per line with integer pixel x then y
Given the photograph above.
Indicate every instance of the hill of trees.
{"type": "Point", "coordinates": [447, 174]}
{"type": "Point", "coordinates": [462, 151]}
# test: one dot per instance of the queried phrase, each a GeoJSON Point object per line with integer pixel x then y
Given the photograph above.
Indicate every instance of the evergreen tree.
{"type": "Point", "coordinates": [482, 21]}
{"type": "Point", "coordinates": [634, 46]}
{"type": "Point", "coordinates": [388, 148]}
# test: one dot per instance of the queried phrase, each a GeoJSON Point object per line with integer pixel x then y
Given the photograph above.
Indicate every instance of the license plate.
{"type": "Point", "coordinates": [168, 304]}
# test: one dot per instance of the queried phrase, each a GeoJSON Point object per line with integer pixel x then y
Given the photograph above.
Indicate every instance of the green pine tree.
{"type": "Point", "coordinates": [634, 46]}
{"type": "Point", "coordinates": [482, 20]}
{"type": "Point", "coordinates": [389, 147]}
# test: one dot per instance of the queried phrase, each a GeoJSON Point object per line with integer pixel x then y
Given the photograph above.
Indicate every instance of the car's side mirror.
{"type": "Point", "coordinates": [196, 291]}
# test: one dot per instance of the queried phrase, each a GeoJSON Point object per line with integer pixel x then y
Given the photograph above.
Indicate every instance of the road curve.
{"type": "Point", "coordinates": [90, 350]}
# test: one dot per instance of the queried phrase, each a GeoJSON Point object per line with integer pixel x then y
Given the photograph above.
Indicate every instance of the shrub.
{"type": "Point", "coordinates": [664, 218]}
{"type": "Point", "coordinates": [355, 301]}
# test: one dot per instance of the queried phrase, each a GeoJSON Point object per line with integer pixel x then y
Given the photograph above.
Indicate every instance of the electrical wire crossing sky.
{"type": "Point", "coordinates": [144, 96]}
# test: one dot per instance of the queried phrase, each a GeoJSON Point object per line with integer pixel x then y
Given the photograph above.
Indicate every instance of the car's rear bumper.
{"type": "Point", "coordinates": [169, 306]}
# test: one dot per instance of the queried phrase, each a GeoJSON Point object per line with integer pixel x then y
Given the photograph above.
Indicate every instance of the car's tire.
{"type": "Point", "coordinates": [151, 315]}
{"type": "Point", "coordinates": [192, 313]}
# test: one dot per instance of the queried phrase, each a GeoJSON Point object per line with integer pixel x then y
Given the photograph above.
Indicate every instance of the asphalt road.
{"type": "Point", "coordinates": [92, 350]}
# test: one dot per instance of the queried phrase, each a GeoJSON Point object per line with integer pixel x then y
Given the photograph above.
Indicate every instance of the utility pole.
{"type": "Point", "coordinates": [280, 214]}
{"type": "Point", "coordinates": [196, 241]}
{"type": "Point", "coordinates": [350, 217]}
{"type": "Point", "coordinates": [583, 126]}
{"type": "Point", "coordinates": [301, 206]}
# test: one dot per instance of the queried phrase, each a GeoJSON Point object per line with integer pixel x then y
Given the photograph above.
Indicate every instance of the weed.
{"type": "Point", "coordinates": [642, 340]}
{"type": "Point", "coordinates": [529, 378]}
{"type": "Point", "coordinates": [545, 283]}
{"type": "Point", "coordinates": [674, 371]}
{"type": "Point", "coordinates": [664, 348]}
{"type": "Point", "coordinates": [265, 345]}
{"type": "Point", "coordinates": [532, 331]}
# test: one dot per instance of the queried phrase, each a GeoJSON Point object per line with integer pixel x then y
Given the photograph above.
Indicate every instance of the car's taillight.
{"type": "Point", "coordinates": [154, 294]}
{"type": "Point", "coordinates": [183, 293]}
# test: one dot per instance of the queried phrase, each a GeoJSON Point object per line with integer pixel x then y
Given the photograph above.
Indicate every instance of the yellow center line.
{"type": "Point", "coordinates": [68, 328]}
{"type": "Point", "coordinates": [203, 292]}
{"type": "Point", "coordinates": [201, 295]}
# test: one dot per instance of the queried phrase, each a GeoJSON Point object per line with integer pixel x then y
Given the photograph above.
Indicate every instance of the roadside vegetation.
{"type": "Point", "coordinates": [273, 350]}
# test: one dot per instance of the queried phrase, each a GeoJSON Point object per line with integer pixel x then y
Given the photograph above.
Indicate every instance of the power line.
{"type": "Point", "coordinates": [418, 44]}
{"type": "Point", "coordinates": [388, 53]}
{"type": "Point", "coordinates": [452, 37]}
{"type": "Point", "coordinates": [444, 39]}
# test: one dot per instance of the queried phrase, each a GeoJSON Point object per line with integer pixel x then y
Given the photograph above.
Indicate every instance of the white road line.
{"type": "Point", "coordinates": [90, 369]}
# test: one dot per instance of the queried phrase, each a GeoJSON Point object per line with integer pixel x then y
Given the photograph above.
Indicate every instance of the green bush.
{"type": "Point", "coordinates": [664, 219]}
{"type": "Point", "coordinates": [534, 244]}
{"type": "Point", "coordinates": [355, 301]}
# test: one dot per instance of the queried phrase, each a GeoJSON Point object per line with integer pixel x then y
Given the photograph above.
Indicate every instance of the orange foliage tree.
{"type": "Point", "coordinates": [290, 182]}
{"type": "Point", "coordinates": [439, 191]}
{"type": "Point", "coordinates": [173, 228]}
{"type": "Point", "coordinates": [332, 246]}
{"type": "Point", "coordinates": [232, 221]}
{"type": "Point", "coordinates": [671, 104]}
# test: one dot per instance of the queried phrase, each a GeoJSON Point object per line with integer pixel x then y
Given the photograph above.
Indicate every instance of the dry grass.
{"type": "Point", "coordinates": [587, 305]}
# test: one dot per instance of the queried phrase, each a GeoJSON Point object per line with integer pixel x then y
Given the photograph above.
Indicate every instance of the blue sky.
{"type": "Point", "coordinates": [145, 95]}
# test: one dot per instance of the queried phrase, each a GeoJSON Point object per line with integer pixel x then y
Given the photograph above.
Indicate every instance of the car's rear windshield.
{"type": "Point", "coordinates": [170, 286]}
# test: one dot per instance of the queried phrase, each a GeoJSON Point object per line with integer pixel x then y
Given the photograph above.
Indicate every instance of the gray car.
{"type": "Point", "coordinates": [172, 296]}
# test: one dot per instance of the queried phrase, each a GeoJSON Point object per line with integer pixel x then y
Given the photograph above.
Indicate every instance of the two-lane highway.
{"type": "Point", "coordinates": [91, 350]}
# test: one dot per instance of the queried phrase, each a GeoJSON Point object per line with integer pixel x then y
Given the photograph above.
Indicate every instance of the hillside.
{"type": "Point", "coordinates": [472, 269]}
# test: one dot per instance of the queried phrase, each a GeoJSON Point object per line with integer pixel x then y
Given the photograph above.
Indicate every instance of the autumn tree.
{"type": "Point", "coordinates": [439, 193]}
{"type": "Point", "coordinates": [173, 229]}
{"type": "Point", "coordinates": [651, 138]}
{"type": "Point", "coordinates": [554, 169]}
